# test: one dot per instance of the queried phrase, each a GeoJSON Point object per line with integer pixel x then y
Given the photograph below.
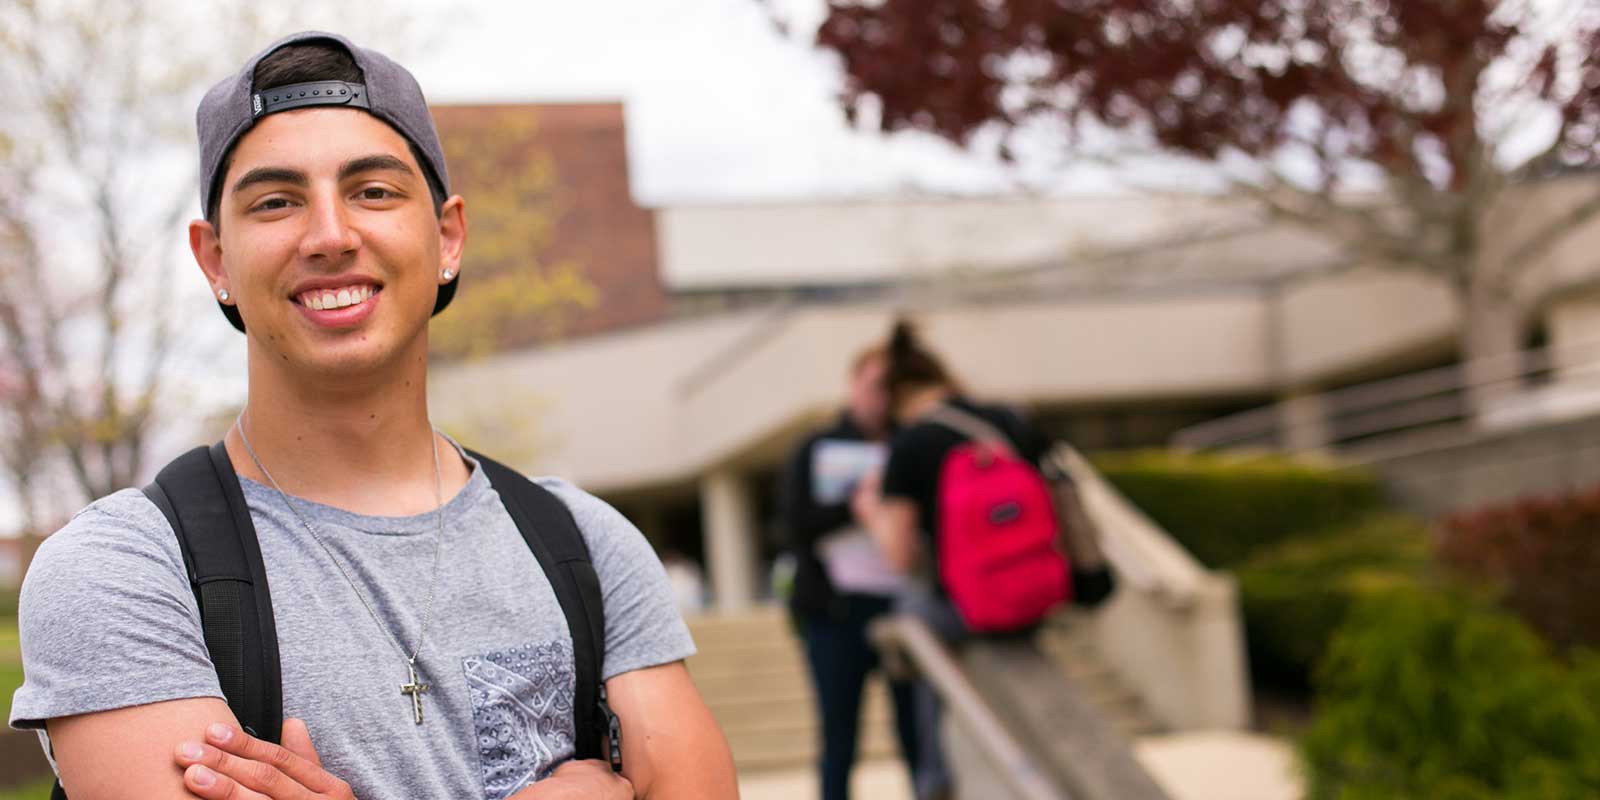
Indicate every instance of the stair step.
{"type": "Point", "coordinates": [778, 691]}
{"type": "Point", "coordinates": [785, 678]}
{"type": "Point", "coordinates": [791, 709]}
{"type": "Point", "coordinates": [720, 628]}
{"type": "Point", "coordinates": [733, 660]}
{"type": "Point", "coordinates": [1069, 645]}
{"type": "Point", "coordinates": [789, 749]}
{"type": "Point", "coordinates": [752, 672]}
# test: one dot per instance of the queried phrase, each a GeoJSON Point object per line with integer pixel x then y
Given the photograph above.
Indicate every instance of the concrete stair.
{"type": "Point", "coordinates": [1066, 640]}
{"type": "Point", "coordinates": [752, 672]}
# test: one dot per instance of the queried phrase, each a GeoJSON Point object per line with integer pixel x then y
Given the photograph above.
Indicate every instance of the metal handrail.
{"type": "Point", "coordinates": [1415, 399]}
{"type": "Point", "coordinates": [911, 637]}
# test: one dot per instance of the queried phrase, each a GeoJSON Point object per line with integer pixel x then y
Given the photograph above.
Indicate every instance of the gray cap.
{"type": "Point", "coordinates": [387, 91]}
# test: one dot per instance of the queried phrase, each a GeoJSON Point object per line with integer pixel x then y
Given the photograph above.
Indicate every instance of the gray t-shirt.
{"type": "Point", "coordinates": [108, 620]}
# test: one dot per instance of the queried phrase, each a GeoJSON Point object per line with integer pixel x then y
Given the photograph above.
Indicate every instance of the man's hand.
{"type": "Point", "coordinates": [579, 780]}
{"type": "Point", "coordinates": [233, 765]}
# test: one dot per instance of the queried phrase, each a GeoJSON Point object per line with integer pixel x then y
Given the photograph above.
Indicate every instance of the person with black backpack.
{"type": "Point", "coordinates": [841, 581]}
{"type": "Point", "coordinates": [336, 600]}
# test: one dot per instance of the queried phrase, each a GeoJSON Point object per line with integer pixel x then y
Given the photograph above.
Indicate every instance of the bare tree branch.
{"type": "Point", "coordinates": [1553, 233]}
{"type": "Point", "coordinates": [1359, 228]}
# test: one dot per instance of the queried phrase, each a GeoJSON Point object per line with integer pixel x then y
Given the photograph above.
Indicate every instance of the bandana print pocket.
{"type": "Point", "coordinates": [522, 710]}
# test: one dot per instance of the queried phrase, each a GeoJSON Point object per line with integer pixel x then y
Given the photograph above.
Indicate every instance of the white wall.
{"type": "Point", "coordinates": [1355, 319]}
{"type": "Point", "coordinates": [854, 241]}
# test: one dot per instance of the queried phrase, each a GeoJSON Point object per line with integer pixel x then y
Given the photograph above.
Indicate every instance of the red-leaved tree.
{"type": "Point", "coordinates": [1399, 129]}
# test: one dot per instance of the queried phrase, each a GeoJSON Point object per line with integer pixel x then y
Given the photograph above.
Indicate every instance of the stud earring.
{"type": "Point", "coordinates": [448, 274]}
{"type": "Point", "coordinates": [223, 295]}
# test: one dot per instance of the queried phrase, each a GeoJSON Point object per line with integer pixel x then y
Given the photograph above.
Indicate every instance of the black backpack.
{"type": "Point", "coordinates": [200, 495]}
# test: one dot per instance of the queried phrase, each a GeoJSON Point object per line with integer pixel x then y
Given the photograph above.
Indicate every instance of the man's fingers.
{"type": "Point", "coordinates": [232, 740]}
{"type": "Point", "coordinates": [255, 776]}
{"type": "Point", "coordinates": [297, 740]}
{"type": "Point", "coordinates": [207, 784]}
{"type": "Point", "coordinates": [595, 779]}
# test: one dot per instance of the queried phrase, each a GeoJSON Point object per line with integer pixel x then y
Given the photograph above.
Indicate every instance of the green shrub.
{"type": "Point", "coordinates": [1435, 694]}
{"type": "Point", "coordinates": [1296, 593]}
{"type": "Point", "coordinates": [37, 789]}
{"type": "Point", "coordinates": [1225, 508]}
{"type": "Point", "coordinates": [1543, 553]}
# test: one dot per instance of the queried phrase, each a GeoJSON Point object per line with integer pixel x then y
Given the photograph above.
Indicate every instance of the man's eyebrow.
{"type": "Point", "coordinates": [373, 163]}
{"type": "Point", "coordinates": [271, 175]}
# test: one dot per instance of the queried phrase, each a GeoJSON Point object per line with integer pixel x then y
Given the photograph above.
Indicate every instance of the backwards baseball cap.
{"type": "Point", "coordinates": [386, 91]}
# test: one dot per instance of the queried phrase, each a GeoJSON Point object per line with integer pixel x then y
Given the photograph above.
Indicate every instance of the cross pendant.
{"type": "Point", "coordinates": [415, 689]}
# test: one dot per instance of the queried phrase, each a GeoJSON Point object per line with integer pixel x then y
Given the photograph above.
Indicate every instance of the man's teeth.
{"type": "Point", "coordinates": [328, 299]}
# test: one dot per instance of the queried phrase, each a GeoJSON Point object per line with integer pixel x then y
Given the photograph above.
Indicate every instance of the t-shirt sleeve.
{"type": "Point", "coordinates": [643, 626]}
{"type": "Point", "coordinates": [107, 619]}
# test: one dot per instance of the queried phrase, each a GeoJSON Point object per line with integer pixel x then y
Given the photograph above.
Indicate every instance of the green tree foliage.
{"type": "Point", "coordinates": [1436, 694]}
{"type": "Point", "coordinates": [514, 204]}
{"type": "Point", "coordinates": [1296, 593]}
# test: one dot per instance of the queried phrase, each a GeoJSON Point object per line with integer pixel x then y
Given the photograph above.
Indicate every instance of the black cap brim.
{"type": "Point", "coordinates": [447, 292]}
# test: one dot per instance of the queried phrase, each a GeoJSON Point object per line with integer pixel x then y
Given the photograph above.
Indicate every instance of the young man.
{"type": "Point", "coordinates": [423, 651]}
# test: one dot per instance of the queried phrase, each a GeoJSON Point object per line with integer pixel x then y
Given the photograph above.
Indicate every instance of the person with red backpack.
{"type": "Point", "coordinates": [963, 501]}
{"type": "Point", "coordinates": [969, 503]}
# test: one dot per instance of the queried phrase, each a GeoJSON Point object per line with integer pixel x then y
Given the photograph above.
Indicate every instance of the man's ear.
{"type": "Point", "coordinates": [452, 235]}
{"type": "Point", "coordinates": [207, 248]}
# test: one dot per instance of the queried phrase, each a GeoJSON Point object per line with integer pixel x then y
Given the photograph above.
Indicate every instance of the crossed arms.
{"type": "Point", "coordinates": [672, 750]}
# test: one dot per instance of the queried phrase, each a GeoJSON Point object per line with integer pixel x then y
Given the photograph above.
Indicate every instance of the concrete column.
{"type": "Point", "coordinates": [651, 523]}
{"type": "Point", "coordinates": [730, 530]}
{"type": "Point", "coordinates": [1303, 422]}
{"type": "Point", "coordinates": [1574, 326]}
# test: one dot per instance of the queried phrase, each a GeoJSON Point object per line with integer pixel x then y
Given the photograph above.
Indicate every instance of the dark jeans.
{"type": "Point", "coordinates": [841, 657]}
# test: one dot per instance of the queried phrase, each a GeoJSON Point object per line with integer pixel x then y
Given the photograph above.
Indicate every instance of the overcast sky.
{"type": "Point", "coordinates": [719, 105]}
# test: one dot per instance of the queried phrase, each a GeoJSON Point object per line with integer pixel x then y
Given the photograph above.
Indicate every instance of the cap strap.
{"type": "Point", "coordinates": [315, 93]}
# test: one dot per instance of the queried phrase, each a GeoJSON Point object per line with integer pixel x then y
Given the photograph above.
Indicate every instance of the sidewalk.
{"type": "Point", "coordinates": [1213, 765]}
{"type": "Point", "coordinates": [1222, 765]}
{"type": "Point", "coordinates": [883, 779]}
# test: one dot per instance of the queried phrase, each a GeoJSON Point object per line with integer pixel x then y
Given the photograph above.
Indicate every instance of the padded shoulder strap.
{"type": "Point", "coordinates": [552, 534]}
{"type": "Point", "coordinates": [971, 426]}
{"type": "Point", "coordinates": [200, 495]}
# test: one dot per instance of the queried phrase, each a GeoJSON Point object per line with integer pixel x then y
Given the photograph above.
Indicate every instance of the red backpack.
{"type": "Point", "coordinates": [998, 530]}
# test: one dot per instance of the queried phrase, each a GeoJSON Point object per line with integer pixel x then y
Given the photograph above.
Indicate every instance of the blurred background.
{"type": "Point", "coordinates": [1313, 286]}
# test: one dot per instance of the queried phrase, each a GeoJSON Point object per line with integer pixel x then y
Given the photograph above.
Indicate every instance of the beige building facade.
{"type": "Point", "coordinates": [1076, 309]}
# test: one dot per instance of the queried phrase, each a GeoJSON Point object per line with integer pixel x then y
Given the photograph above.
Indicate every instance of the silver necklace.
{"type": "Point", "coordinates": [412, 688]}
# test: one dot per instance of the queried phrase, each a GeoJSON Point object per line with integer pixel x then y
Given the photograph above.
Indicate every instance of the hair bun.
{"type": "Point", "coordinates": [903, 337]}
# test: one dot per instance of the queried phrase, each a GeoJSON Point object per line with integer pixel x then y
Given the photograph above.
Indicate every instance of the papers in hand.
{"type": "Point", "coordinates": [837, 465]}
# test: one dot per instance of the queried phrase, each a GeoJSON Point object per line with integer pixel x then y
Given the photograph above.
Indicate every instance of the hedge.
{"type": "Point", "coordinates": [1438, 694]}
{"type": "Point", "coordinates": [1296, 593]}
{"type": "Point", "coordinates": [1226, 508]}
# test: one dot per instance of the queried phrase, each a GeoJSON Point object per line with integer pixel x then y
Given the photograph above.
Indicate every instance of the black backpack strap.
{"type": "Point", "coordinates": [200, 495]}
{"type": "Point", "coordinates": [551, 533]}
